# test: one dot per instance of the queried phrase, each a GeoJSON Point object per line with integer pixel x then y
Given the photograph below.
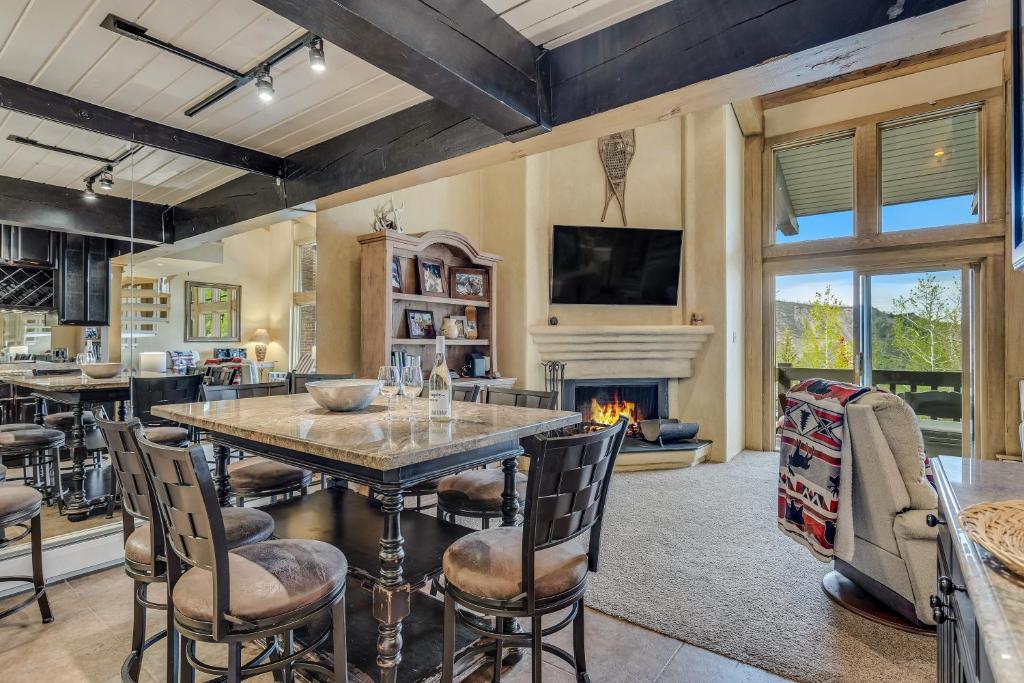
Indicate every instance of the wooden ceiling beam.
{"type": "Point", "coordinates": [458, 51]}
{"type": "Point", "coordinates": [34, 101]}
{"type": "Point", "coordinates": [37, 205]}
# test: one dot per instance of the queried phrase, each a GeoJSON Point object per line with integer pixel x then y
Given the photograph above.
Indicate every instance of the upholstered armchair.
{"type": "Point", "coordinates": [894, 555]}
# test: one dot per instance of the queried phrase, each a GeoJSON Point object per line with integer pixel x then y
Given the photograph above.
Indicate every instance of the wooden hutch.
{"type": "Point", "coordinates": [383, 311]}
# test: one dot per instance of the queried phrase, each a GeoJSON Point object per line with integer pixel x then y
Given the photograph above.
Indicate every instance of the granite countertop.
{"type": "Point", "coordinates": [365, 438]}
{"type": "Point", "coordinates": [996, 594]}
{"type": "Point", "coordinates": [75, 382]}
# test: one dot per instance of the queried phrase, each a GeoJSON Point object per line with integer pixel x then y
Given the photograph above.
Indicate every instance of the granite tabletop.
{"type": "Point", "coordinates": [366, 438]}
{"type": "Point", "coordinates": [74, 382]}
{"type": "Point", "coordinates": [996, 595]}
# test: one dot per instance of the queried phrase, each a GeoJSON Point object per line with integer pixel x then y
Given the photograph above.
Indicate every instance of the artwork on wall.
{"type": "Point", "coordinates": [386, 216]}
{"type": "Point", "coordinates": [470, 283]}
{"type": "Point", "coordinates": [431, 271]}
{"type": "Point", "coordinates": [396, 274]}
{"type": "Point", "coordinates": [212, 312]}
{"type": "Point", "coordinates": [420, 324]}
{"type": "Point", "coordinates": [616, 152]}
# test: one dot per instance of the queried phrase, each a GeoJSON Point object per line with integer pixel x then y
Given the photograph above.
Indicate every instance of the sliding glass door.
{"type": "Point", "coordinates": [908, 332]}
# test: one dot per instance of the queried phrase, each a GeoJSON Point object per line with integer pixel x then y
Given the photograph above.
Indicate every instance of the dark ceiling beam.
{"type": "Point", "coordinates": [44, 104]}
{"type": "Point", "coordinates": [458, 51]}
{"type": "Point", "coordinates": [37, 205]}
{"type": "Point", "coordinates": [587, 77]}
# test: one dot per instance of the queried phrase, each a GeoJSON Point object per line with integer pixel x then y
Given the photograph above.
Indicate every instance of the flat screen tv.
{"type": "Point", "coordinates": [616, 266]}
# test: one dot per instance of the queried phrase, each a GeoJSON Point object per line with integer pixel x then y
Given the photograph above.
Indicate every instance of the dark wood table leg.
{"type": "Point", "coordinates": [221, 478]}
{"type": "Point", "coordinates": [392, 595]}
{"type": "Point", "coordinates": [509, 515]}
{"type": "Point", "coordinates": [121, 410]}
{"type": "Point", "coordinates": [76, 505]}
{"type": "Point", "coordinates": [39, 410]}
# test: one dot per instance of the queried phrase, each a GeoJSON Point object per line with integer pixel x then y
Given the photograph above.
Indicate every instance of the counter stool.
{"type": "Point", "coordinates": [144, 553]}
{"type": "Point", "coordinates": [263, 591]}
{"type": "Point", "coordinates": [539, 568]}
{"type": "Point", "coordinates": [477, 493]}
{"type": "Point", "coordinates": [35, 450]}
{"type": "Point", "coordinates": [21, 506]}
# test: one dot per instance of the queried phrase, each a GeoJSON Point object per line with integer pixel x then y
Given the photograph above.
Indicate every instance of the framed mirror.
{"type": "Point", "coordinates": [212, 312]}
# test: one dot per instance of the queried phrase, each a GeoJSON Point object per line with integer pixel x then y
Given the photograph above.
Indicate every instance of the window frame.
{"type": "Point", "coordinates": [300, 298]}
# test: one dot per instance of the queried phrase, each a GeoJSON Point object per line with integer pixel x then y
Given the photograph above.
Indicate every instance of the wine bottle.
{"type": "Point", "coordinates": [440, 387]}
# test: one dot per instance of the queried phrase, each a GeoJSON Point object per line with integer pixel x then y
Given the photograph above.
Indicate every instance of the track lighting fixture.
{"type": "Point", "coordinates": [107, 178]}
{"type": "Point", "coordinates": [316, 54]}
{"type": "Point", "coordinates": [89, 192]}
{"type": "Point", "coordinates": [265, 86]}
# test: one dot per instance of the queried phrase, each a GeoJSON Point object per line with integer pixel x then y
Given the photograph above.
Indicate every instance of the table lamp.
{"type": "Point", "coordinates": [261, 338]}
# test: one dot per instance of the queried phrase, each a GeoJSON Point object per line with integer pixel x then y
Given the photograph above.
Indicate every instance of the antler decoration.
{"type": "Point", "coordinates": [386, 216]}
{"type": "Point", "coordinates": [616, 152]}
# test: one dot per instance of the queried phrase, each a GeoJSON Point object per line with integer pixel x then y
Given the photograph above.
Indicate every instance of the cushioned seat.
{"type": "Point", "coordinates": [477, 489]}
{"type": "Point", "coordinates": [19, 427]}
{"type": "Point", "coordinates": [267, 579]}
{"type": "Point", "coordinates": [66, 420]}
{"type": "Point", "coordinates": [489, 564]}
{"type": "Point", "coordinates": [262, 474]}
{"type": "Point", "coordinates": [242, 526]}
{"type": "Point", "coordinates": [170, 436]}
{"type": "Point", "coordinates": [26, 438]}
{"type": "Point", "coordinates": [18, 500]}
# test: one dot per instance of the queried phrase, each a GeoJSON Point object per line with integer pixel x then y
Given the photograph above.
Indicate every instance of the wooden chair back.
{"type": "Point", "coordinates": [220, 376]}
{"type": "Point", "coordinates": [153, 391]}
{"type": "Point", "coordinates": [470, 394]}
{"type": "Point", "coordinates": [522, 398]}
{"type": "Point", "coordinates": [297, 380]}
{"type": "Point", "coordinates": [567, 490]}
{"type": "Point", "coordinates": [237, 391]}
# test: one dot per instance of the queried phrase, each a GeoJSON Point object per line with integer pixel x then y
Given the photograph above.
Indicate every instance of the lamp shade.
{"type": "Point", "coordinates": [260, 336]}
{"type": "Point", "coordinates": [153, 361]}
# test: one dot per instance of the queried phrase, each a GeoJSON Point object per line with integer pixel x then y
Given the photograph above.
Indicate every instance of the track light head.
{"type": "Point", "coordinates": [89, 192]}
{"type": "Point", "coordinates": [107, 178]}
{"type": "Point", "coordinates": [265, 86]}
{"type": "Point", "coordinates": [316, 54]}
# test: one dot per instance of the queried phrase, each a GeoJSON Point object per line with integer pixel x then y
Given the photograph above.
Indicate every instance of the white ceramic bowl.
{"type": "Point", "coordinates": [343, 395]}
{"type": "Point", "coordinates": [101, 370]}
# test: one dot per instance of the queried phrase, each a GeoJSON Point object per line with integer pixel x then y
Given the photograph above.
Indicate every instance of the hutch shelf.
{"type": "Point", "coordinates": [383, 310]}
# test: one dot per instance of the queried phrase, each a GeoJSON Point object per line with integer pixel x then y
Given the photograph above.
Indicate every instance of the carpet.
{"type": "Point", "coordinates": [696, 554]}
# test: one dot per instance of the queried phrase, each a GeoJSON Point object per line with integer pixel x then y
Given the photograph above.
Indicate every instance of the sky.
{"type": "Point", "coordinates": [884, 288]}
{"type": "Point", "coordinates": [911, 216]}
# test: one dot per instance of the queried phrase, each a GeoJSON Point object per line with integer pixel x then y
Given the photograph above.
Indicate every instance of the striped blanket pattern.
{"type": "Point", "coordinates": [813, 442]}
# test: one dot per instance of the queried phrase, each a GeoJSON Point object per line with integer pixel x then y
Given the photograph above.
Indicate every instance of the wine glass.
{"type": "Point", "coordinates": [390, 381]}
{"type": "Point", "coordinates": [412, 385]}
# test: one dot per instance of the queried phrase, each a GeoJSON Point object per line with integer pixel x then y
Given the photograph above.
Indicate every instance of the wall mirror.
{"type": "Point", "coordinates": [212, 312]}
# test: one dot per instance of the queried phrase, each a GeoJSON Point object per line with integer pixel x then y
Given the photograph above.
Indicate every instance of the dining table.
{"type": "Point", "coordinates": [85, 490]}
{"type": "Point", "coordinates": [392, 552]}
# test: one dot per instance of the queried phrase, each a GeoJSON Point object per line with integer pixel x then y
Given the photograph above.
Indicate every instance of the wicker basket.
{"type": "Point", "coordinates": [999, 529]}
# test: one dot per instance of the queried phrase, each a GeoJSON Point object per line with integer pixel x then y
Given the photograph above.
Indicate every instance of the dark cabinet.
{"type": "Point", "coordinates": [28, 247]}
{"type": "Point", "coordinates": [83, 281]}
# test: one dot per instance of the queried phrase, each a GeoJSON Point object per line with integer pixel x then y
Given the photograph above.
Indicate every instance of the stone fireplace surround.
{"type": "Point", "coordinates": [627, 352]}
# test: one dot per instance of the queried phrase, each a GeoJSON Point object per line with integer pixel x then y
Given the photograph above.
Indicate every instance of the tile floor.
{"type": "Point", "coordinates": [90, 637]}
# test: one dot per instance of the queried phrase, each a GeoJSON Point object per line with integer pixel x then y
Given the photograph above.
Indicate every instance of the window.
{"type": "Point", "coordinates": [304, 302]}
{"type": "Point", "coordinates": [930, 171]}
{"type": "Point", "coordinates": [814, 190]}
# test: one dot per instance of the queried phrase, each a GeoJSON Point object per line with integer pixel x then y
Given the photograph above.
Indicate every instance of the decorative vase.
{"type": "Point", "coordinates": [471, 327]}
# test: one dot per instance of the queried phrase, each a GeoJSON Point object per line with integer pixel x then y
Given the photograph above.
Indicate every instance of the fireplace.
{"type": "Point", "coordinates": [606, 400]}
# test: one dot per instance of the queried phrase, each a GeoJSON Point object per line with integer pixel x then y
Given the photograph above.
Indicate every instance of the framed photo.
{"type": "Point", "coordinates": [471, 283]}
{"type": "Point", "coordinates": [396, 274]}
{"type": "Point", "coordinates": [420, 324]}
{"type": "Point", "coordinates": [471, 331]}
{"type": "Point", "coordinates": [431, 272]}
{"type": "Point", "coordinates": [461, 325]}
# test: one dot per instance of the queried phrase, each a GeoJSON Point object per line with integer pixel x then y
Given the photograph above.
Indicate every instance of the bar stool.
{"type": "Point", "coordinates": [477, 494]}
{"type": "Point", "coordinates": [539, 568]}
{"type": "Point", "coordinates": [36, 450]}
{"type": "Point", "coordinates": [21, 506]}
{"type": "Point", "coordinates": [144, 554]}
{"type": "Point", "coordinates": [266, 590]}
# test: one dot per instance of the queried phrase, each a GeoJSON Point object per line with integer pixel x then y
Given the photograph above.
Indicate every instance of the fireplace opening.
{"type": "Point", "coordinates": [606, 404]}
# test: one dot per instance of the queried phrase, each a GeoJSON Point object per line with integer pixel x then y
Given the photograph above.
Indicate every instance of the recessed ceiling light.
{"type": "Point", "coordinates": [265, 86]}
{"type": "Point", "coordinates": [316, 54]}
{"type": "Point", "coordinates": [939, 153]}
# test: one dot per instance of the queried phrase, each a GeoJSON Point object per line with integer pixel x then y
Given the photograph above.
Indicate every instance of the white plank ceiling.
{"type": "Point", "coordinates": [59, 45]}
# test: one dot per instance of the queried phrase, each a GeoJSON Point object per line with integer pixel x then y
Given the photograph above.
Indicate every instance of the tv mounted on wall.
{"type": "Point", "coordinates": [616, 266]}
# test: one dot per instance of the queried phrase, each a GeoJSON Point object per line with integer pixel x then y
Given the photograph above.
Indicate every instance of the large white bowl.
{"type": "Point", "coordinates": [101, 370]}
{"type": "Point", "coordinates": [343, 395]}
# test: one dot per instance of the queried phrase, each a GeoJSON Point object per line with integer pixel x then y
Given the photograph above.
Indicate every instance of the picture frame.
{"type": "Point", "coordinates": [396, 274]}
{"type": "Point", "coordinates": [213, 312]}
{"type": "Point", "coordinates": [471, 283]}
{"type": "Point", "coordinates": [431, 276]}
{"type": "Point", "coordinates": [461, 324]}
{"type": "Point", "coordinates": [420, 324]}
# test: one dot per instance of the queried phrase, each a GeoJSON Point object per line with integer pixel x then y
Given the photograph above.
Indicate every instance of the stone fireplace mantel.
{"type": "Point", "coordinates": [621, 351]}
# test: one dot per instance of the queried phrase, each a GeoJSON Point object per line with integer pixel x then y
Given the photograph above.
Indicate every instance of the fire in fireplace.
{"type": "Point", "coordinates": [605, 401]}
